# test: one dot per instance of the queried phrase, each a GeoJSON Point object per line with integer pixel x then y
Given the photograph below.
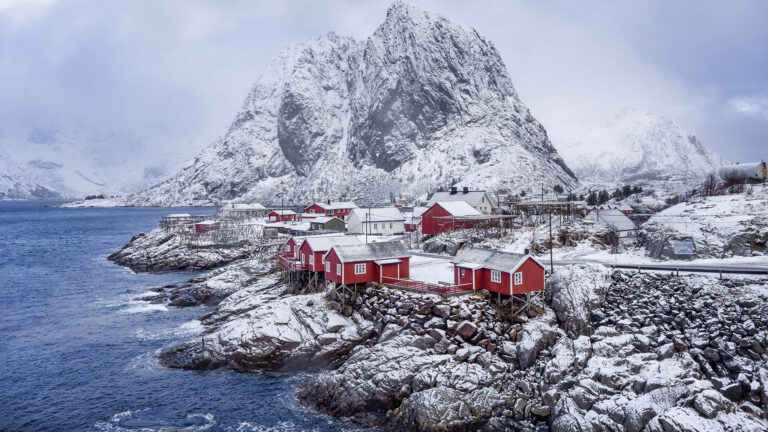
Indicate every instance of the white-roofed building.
{"type": "Point", "coordinates": [385, 262]}
{"type": "Point", "coordinates": [479, 200]}
{"type": "Point", "coordinates": [240, 211]}
{"type": "Point", "coordinates": [376, 221]}
{"type": "Point", "coordinates": [339, 209]}
{"type": "Point", "coordinates": [615, 219]}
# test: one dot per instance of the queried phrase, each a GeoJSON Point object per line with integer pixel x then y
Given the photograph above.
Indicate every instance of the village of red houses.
{"type": "Point", "coordinates": [339, 245]}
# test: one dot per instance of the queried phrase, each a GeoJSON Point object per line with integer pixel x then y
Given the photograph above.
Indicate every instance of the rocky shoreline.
{"type": "Point", "coordinates": [161, 251]}
{"type": "Point", "coordinates": [620, 351]}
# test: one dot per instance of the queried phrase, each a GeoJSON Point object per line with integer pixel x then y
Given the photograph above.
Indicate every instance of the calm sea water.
{"type": "Point", "coordinates": [78, 353]}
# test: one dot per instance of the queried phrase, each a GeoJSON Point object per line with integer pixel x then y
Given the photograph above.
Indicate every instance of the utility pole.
{"type": "Point", "coordinates": [542, 192]}
{"type": "Point", "coordinates": [551, 264]}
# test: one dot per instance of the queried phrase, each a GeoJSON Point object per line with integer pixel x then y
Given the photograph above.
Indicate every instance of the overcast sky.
{"type": "Point", "coordinates": [157, 80]}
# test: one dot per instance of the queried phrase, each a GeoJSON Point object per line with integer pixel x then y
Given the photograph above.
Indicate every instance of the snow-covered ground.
{"type": "Point", "coordinates": [432, 270]}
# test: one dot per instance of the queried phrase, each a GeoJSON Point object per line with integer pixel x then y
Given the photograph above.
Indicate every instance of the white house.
{"type": "Point", "coordinates": [477, 199]}
{"type": "Point", "coordinates": [384, 221]}
{"type": "Point", "coordinates": [615, 219]}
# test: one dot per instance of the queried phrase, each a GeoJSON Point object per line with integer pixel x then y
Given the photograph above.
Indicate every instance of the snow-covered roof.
{"type": "Point", "coordinates": [383, 214]}
{"type": "Point", "coordinates": [624, 207]}
{"type": "Point", "coordinates": [459, 208]}
{"type": "Point", "coordinates": [283, 212]}
{"type": "Point", "coordinates": [473, 198]}
{"type": "Point", "coordinates": [179, 215]}
{"type": "Point", "coordinates": [371, 251]}
{"type": "Point", "coordinates": [208, 222]}
{"type": "Point", "coordinates": [335, 205]}
{"type": "Point", "coordinates": [322, 244]}
{"type": "Point", "coordinates": [324, 219]}
{"type": "Point", "coordinates": [490, 259]}
{"type": "Point", "coordinates": [614, 218]}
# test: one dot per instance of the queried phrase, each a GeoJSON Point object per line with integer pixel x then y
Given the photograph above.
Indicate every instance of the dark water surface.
{"type": "Point", "coordinates": [77, 353]}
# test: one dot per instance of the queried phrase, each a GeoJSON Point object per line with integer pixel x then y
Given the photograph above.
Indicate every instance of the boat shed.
{"type": "Point", "coordinates": [500, 272]}
{"type": "Point", "coordinates": [368, 262]}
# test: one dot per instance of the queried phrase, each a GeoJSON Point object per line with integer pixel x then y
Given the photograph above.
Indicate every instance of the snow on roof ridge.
{"type": "Point", "coordinates": [458, 208]}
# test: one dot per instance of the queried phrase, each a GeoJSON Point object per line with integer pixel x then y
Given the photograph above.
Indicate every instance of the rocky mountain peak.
{"type": "Point", "coordinates": [422, 104]}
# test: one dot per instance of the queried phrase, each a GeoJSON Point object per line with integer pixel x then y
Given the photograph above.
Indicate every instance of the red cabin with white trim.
{"type": "Point", "coordinates": [437, 219]}
{"type": "Point", "coordinates": [368, 262]}
{"type": "Point", "coordinates": [496, 271]}
{"type": "Point", "coordinates": [339, 209]}
{"type": "Point", "coordinates": [314, 248]}
{"type": "Point", "coordinates": [282, 216]}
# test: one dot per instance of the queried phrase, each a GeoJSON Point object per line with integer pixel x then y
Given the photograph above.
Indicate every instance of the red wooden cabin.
{"type": "Point", "coordinates": [206, 226]}
{"type": "Point", "coordinates": [436, 219]}
{"type": "Point", "coordinates": [313, 249]}
{"type": "Point", "coordinates": [339, 209]}
{"type": "Point", "coordinates": [496, 271]}
{"type": "Point", "coordinates": [368, 262]}
{"type": "Point", "coordinates": [282, 216]}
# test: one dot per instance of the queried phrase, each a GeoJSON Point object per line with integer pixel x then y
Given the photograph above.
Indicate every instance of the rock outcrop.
{"type": "Point", "coordinates": [161, 250]}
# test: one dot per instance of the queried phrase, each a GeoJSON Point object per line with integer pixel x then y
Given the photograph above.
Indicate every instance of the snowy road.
{"type": "Point", "coordinates": [579, 258]}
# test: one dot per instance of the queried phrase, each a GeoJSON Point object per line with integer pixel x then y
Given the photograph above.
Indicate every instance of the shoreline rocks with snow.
{"type": "Point", "coordinates": [160, 250]}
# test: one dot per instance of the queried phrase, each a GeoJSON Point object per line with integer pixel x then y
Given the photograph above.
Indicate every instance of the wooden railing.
{"type": "Point", "coordinates": [290, 264]}
{"type": "Point", "coordinates": [425, 286]}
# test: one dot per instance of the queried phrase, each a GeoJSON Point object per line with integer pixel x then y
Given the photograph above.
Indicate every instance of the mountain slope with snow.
{"type": "Point", "coordinates": [422, 104]}
{"type": "Point", "coordinates": [639, 147]}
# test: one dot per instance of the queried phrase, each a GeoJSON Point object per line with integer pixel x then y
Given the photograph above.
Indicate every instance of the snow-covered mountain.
{"type": "Point", "coordinates": [639, 147]}
{"type": "Point", "coordinates": [423, 103]}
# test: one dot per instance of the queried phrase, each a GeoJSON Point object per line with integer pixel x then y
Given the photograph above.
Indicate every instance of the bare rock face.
{"type": "Point", "coordinates": [574, 292]}
{"type": "Point", "coordinates": [422, 103]}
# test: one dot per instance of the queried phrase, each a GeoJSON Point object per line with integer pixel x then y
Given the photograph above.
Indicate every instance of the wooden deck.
{"type": "Point", "coordinates": [419, 286]}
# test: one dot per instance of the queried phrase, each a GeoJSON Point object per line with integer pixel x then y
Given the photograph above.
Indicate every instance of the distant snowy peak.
{"type": "Point", "coordinates": [422, 104]}
{"type": "Point", "coordinates": [638, 147]}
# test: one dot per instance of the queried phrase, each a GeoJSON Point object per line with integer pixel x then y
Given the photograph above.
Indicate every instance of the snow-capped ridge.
{"type": "Point", "coordinates": [421, 104]}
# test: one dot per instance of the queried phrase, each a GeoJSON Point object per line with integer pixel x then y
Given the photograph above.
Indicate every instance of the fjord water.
{"type": "Point", "coordinates": [78, 353]}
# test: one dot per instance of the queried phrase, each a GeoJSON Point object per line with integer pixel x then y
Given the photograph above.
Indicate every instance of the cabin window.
{"type": "Point", "coordinates": [375, 226]}
{"type": "Point", "coordinates": [302, 259]}
{"type": "Point", "coordinates": [390, 224]}
{"type": "Point", "coordinates": [330, 213]}
{"type": "Point", "coordinates": [462, 272]}
{"type": "Point", "coordinates": [311, 210]}
{"type": "Point", "coordinates": [338, 269]}
{"type": "Point", "coordinates": [519, 278]}
{"type": "Point", "coordinates": [360, 269]}
{"type": "Point", "coordinates": [327, 267]}
{"type": "Point", "coordinates": [495, 276]}
{"type": "Point", "coordinates": [311, 260]}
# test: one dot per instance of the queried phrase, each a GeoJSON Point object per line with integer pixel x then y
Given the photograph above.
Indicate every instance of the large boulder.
{"type": "Point", "coordinates": [574, 291]}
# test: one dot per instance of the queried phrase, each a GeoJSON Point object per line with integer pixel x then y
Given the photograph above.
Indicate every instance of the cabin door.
{"type": "Point", "coordinates": [389, 272]}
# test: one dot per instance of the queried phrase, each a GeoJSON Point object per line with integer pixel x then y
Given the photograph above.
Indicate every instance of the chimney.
{"type": "Point", "coordinates": [527, 251]}
{"type": "Point", "coordinates": [465, 190]}
{"type": "Point", "coordinates": [329, 201]}
{"type": "Point", "coordinates": [453, 190]}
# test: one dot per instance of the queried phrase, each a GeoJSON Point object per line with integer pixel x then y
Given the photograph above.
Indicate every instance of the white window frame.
{"type": "Point", "coordinates": [302, 257]}
{"type": "Point", "coordinates": [518, 278]}
{"type": "Point", "coordinates": [329, 213]}
{"type": "Point", "coordinates": [312, 211]}
{"type": "Point", "coordinates": [311, 259]}
{"type": "Point", "coordinates": [360, 268]}
{"type": "Point", "coordinates": [327, 267]}
{"type": "Point", "coordinates": [391, 225]}
{"type": "Point", "coordinates": [375, 226]}
{"type": "Point", "coordinates": [461, 272]}
{"type": "Point", "coordinates": [496, 276]}
{"type": "Point", "coordinates": [338, 269]}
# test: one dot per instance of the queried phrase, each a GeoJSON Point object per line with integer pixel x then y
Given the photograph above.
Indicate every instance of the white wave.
{"type": "Point", "coordinates": [144, 307]}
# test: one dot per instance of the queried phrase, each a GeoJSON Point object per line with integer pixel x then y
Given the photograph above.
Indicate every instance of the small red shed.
{"type": "Point", "coordinates": [339, 209]}
{"type": "Point", "coordinates": [282, 216]}
{"type": "Point", "coordinates": [368, 262]}
{"type": "Point", "coordinates": [206, 226]}
{"type": "Point", "coordinates": [291, 247]}
{"type": "Point", "coordinates": [496, 271]}
{"type": "Point", "coordinates": [314, 248]}
{"type": "Point", "coordinates": [437, 219]}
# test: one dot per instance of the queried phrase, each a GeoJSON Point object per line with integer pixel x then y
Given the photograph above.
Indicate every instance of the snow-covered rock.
{"type": "Point", "coordinates": [574, 292]}
{"type": "Point", "coordinates": [162, 250]}
{"type": "Point", "coordinates": [421, 104]}
{"type": "Point", "coordinates": [720, 226]}
{"type": "Point", "coordinates": [639, 148]}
